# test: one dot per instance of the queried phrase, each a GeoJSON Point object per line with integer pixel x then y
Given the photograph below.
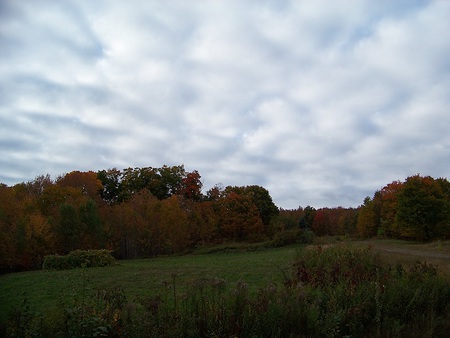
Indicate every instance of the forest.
{"type": "Point", "coordinates": [146, 212]}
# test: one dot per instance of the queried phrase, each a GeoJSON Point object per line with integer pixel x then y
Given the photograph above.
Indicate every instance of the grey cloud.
{"type": "Point", "coordinates": [321, 103]}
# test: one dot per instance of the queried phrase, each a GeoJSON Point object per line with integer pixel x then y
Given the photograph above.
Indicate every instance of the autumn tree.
{"type": "Point", "coordinates": [37, 186]}
{"type": "Point", "coordinates": [123, 234]}
{"type": "Point", "coordinates": [239, 218]}
{"type": "Point", "coordinates": [191, 186]}
{"type": "Point", "coordinates": [260, 197]}
{"type": "Point", "coordinates": [145, 232]}
{"type": "Point", "coordinates": [347, 222]}
{"type": "Point", "coordinates": [40, 238]}
{"type": "Point", "coordinates": [321, 224]}
{"type": "Point", "coordinates": [50, 200]}
{"type": "Point", "coordinates": [286, 220]}
{"type": "Point", "coordinates": [174, 226]}
{"type": "Point", "coordinates": [334, 221]}
{"type": "Point", "coordinates": [203, 223]}
{"type": "Point", "coordinates": [8, 211]}
{"type": "Point", "coordinates": [87, 183]}
{"type": "Point", "coordinates": [389, 199]}
{"type": "Point", "coordinates": [368, 220]}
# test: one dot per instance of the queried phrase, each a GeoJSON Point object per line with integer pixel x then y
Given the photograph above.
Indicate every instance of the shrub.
{"type": "Point", "coordinates": [321, 267]}
{"type": "Point", "coordinates": [307, 236]}
{"type": "Point", "coordinates": [78, 259]}
{"type": "Point", "coordinates": [292, 236]}
{"type": "Point", "coordinates": [356, 294]}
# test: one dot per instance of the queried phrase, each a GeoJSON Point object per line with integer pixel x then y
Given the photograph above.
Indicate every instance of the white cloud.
{"type": "Point", "coordinates": [321, 102]}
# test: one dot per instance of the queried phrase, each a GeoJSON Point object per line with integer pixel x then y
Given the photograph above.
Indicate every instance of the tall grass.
{"type": "Point", "coordinates": [333, 292]}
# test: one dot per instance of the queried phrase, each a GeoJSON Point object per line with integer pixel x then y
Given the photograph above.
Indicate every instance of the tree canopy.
{"type": "Point", "coordinates": [143, 212]}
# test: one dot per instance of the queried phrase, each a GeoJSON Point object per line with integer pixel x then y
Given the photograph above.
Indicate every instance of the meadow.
{"type": "Point", "coordinates": [333, 288]}
{"type": "Point", "coordinates": [144, 277]}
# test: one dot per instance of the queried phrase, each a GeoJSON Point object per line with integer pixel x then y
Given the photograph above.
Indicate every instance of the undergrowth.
{"type": "Point", "coordinates": [78, 259]}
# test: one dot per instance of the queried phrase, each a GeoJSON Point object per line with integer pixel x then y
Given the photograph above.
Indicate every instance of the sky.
{"type": "Point", "coordinates": [320, 102]}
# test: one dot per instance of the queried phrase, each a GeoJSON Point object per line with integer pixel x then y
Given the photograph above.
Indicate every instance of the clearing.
{"type": "Point", "coordinates": [146, 277]}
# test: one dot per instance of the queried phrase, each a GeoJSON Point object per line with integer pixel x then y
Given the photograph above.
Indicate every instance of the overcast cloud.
{"type": "Point", "coordinates": [321, 102]}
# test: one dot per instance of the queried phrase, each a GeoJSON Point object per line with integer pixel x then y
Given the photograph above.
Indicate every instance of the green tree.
{"type": "Point", "coordinates": [286, 220]}
{"type": "Point", "coordinates": [122, 237]}
{"type": "Point", "coordinates": [111, 182]}
{"type": "Point", "coordinates": [94, 237]}
{"type": "Point", "coordinates": [423, 210]}
{"type": "Point", "coordinates": [120, 186]}
{"type": "Point", "coordinates": [69, 228]}
{"type": "Point", "coordinates": [445, 187]}
{"type": "Point", "coordinates": [172, 178]}
{"type": "Point", "coordinates": [306, 221]}
{"type": "Point", "coordinates": [347, 221]}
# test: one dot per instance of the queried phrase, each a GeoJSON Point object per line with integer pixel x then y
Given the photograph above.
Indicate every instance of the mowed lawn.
{"type": "Point", "coordinates": [144, 277]}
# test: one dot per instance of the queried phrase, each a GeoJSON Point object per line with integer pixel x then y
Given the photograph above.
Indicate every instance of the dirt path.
{"type": "Point", "coordinates": [419, 253]}
{"type": "Point", "coordinates": [405, 253]}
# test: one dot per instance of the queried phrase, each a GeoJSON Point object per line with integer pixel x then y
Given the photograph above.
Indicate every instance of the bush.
{"type": "Point", "coordinates": [307, 236]}
{"type": "Point", "coordinates": [292, 236]}
{"type": "Point", "coordinates": [78, 259]}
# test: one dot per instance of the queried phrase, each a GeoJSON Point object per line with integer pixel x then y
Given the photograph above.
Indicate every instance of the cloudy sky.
{"type": "Point", "coordinates": [321, 102]}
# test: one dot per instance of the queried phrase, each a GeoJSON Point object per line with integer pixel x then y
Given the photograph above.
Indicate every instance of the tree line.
{"type": "Point", "coordinates": [416, 209]}
{"type": "Point", "coordinates": [134, 212]}
{"type": "Point", "coordinates": [144, 212]}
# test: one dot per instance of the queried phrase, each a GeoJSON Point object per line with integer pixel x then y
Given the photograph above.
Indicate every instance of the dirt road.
{"type": "Point", "coordinates": [412, 252]}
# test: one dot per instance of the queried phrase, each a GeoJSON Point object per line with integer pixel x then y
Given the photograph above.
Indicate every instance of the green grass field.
{"type": "Point", "coordinates": [145, 277]}
{"type": "Point", "coordinates": [256, 266]}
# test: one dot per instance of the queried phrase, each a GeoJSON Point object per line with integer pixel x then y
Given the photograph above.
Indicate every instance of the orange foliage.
{"type": "Point", "coordinates": [145, 212]}
{"type": "Point", "coordinates": [203, 223]}
{"type": "Point", "coordinates": [87, 182]}
{"type": "Point", "coordinates": [174, 225]}
{"type": "Point", "coordinates": [191, 186]}
{"type": "Point", "coordinates": [239, 218]}
{"type": "Point", "coordinates": [389, 200]}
